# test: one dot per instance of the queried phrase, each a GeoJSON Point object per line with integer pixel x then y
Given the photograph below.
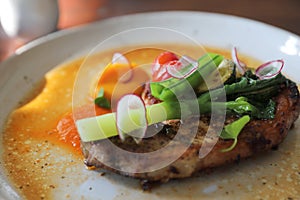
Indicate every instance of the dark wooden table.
{"type": "Point", "coordinates": [281, 13]}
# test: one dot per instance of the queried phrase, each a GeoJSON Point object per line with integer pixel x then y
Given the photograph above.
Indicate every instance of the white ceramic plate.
{"type": "Point", "coordinates": [253, 38]}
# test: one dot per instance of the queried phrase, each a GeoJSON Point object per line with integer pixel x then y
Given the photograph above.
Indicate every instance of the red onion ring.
{"type": "Point", "coordinates": [185, 63]}
{"type": "Point", "coordinates": [268, 70]}
{"type": "Point", "coordinates": [240, 65]}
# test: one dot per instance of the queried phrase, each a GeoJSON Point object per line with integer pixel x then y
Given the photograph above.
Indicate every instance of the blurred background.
{"type": "Point", "coordinates": [25, 20]}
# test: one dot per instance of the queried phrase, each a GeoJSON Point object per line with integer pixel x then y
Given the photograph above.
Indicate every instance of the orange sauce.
{"type": "Point", "coordinates": [66, 130]}
{"type": "Point", "coordinates": [114, 89]}
{"type": "Point", "coordinates": [31, 132]}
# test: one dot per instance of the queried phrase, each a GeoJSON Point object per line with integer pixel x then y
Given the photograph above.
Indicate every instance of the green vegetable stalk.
{"type": "Point", "coordinates": [172, 88]}
{"type": "Point", "coordinates": [247, 97]}
{"type": "Point", "coordinates": [104, 126]}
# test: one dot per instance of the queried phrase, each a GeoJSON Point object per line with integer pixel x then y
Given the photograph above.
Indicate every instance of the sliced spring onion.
{"type": "Point", "coordinates": [104, 126]}
{"type": "Point", "coordinates": [131, 115]}
{"type": "Point", "coordinates": [269, 69]}
{"type": "Point", "coordinates": [240, 65]}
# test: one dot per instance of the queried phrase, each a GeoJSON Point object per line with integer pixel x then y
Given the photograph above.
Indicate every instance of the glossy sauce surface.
{"type": "Point", "coordinates": [43, 159]}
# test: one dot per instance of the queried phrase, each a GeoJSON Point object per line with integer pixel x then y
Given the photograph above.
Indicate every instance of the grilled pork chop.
{"type": "Point", "coordinates": [257, 136]}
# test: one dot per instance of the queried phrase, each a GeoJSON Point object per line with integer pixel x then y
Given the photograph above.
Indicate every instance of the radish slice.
{"type": "Point", "coordinates": [131, 117]}
{"type": "Point", "coordinates": [240, 65]}
{"type": "Point", "coordinates": [159, 71]}
{"type": "Point", "coordinates": [162, 72]}
{"type": "Point", "coordinates": [120, 59]}
{"type": "Point", "coordinates": [182, 68]}
{"type": "Point", "coordinates": [269, 69]}
{"type": "Point", "coordinates": [126, 74]}
{"type": "Point", "coordinates": [186, 60]}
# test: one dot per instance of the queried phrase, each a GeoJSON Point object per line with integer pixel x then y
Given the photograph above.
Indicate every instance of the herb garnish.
{"type": "Point", "coordinates": [231, 131]}
{"type": "Point", "coordinates": [101, 101]}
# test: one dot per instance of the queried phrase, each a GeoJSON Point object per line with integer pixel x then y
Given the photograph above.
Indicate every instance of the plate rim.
{"type": "Point", "coordinates": [65, 32]}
